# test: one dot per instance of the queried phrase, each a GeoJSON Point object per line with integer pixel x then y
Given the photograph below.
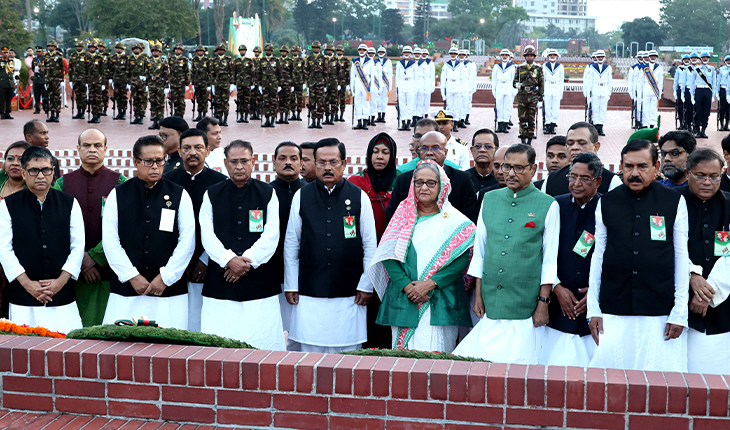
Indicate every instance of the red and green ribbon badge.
{"type": "Point", "coordinates": [141, 321]}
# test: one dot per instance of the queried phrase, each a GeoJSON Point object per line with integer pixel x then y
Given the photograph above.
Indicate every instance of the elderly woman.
{"type": "Point", "coordinates": [418, 269]}
{"type": "Point", "coordinates": [11, 175]}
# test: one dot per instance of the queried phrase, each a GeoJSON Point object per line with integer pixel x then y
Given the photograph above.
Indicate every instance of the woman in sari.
{"type": "Point", "coordinates": [418, 269]}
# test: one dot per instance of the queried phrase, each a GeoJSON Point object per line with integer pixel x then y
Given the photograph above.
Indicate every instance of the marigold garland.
{"type": "Point", "coordinates": [7, 327]}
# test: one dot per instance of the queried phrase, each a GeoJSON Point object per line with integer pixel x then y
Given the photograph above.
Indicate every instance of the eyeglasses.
{"type": "Point", "coordinates": [419, 184]}
{"type": "Point", "coordinates": [241, 161]}
{"type": "Point", "coordinates": [580, 179]}
{"type": "Point", "coordinates": [518, 168]}
{"type": "Point", "coordinates": [674, 153]}
{"type": "Point", "coordinates": [324, 163]}
{"type": "Point", "coordinates": [34, 171]}
{"type": "Point", "coordinates": [714, 179]}
{"type": "Point", "coordinates": [484, 147]}
{"type": "Point", "coordinates": [427, 149]}
{"type": "Point", "coordinates": [159, 162]}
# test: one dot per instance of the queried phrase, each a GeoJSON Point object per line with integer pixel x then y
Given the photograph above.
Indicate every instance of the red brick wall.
{"type": "Point", "coordinates": [265, 389]}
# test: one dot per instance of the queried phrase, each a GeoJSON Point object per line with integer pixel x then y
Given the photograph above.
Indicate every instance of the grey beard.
{"type": "Point", "coordinates": [672, 172]}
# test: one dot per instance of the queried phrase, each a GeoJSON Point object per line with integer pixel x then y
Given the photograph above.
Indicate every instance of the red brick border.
{"type": "Point", "coordinates": [264, 389]}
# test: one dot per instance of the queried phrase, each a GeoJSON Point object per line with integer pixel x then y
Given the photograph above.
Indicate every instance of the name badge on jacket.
{"type": "Point", "coordinates": [722, 244]}
{"type": "Point", "coordinates": [350, 227]}
{"type": "Point", "coordinates": [167, 220]}
{"type": "Point", "coordinates": [255, 221]}
{"type": "Point", "coordinates": [584, 244]}
{"type": "Point", "coordinates": [658, 228]}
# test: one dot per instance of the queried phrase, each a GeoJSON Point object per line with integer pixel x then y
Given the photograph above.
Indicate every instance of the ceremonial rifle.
{"type": "Point", "coordinates": [73, 101]}
{"type": "Point", "coordinates": [169, 100]}
{"type": "Point", "coordinates": [495, 118]}
{"type": "Point", "coordinates": [397, 104]}
{"type": "Point", "coordinates": [543, 118]}
{"type": "Point", "coordinates": [131, 105]}
{"type": "Point", "coordinates": [192, 98]}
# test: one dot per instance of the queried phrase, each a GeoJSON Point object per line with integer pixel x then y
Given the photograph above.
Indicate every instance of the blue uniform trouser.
{"type": "Point", "coordinates": [703, 105]}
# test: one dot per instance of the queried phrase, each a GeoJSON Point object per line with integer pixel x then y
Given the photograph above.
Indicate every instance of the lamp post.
{"type": "Point", "coordinates": [334, 30]}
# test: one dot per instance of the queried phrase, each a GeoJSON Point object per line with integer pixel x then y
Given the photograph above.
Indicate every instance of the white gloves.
{"type": "Point", "coordinates": [518, 85]}
{"type": "Point", "coordinates": [339, 88]}
{"type": "Point", "coordinates": [129, 87]}
{"type": "Point", "coordinates": [278, 89]}
{"type": "Point", "coordinates": [292, 89]}
{"type": "Point", "coordinates": [232, 88]}
{"type": "Point", "coordinates": [252, 87]}
{"type": "Point", "coordinates": [261, 90]}
{"type": "Point", "coordinates": [72, 85]}
{"type": "Point", "coordinates": [103, 87]}
{"type": "Point", "coordinates": [146, 88]}
{"type": "Point", "coordinates": [110, 82]}
{"type": "Point", "coordinates": [192, 87]}
{"type": "Point", "coordinates": [325, 89]}
{"type": "Point", "coordinates": [207, 88]}
{"type": "Point", "coordinates": [167, 91]}
{"type": "Point", "coordinates": [347, 88]}
{"type": "Point", "coordinates": [143, 78]}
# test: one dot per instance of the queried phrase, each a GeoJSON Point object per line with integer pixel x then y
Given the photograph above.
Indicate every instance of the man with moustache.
{"type": "Point", "coordinates": [674, 148]}
{"type": "Point", "coordinates": [556, 157]}
{"type": "Point", "coordinates": [195, 178]}
{"type": "Point", "coordinates": [148, 234]}
{"type": "Point", "coordinates": [483, 144]}
{"type": "Point", "coordinates": [309, 173]}
{"type": "Point", "coordinates": [170, 130]}
{"type": "Point", "coordinates": [212, 129]}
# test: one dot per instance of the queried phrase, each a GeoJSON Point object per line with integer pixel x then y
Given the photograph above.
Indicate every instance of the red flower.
{"type": "Point", "coordinates": [530, 224]}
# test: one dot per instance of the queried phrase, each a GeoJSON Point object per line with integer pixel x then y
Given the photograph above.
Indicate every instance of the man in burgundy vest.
{"type": "Point", "coordinates": [90, 185]}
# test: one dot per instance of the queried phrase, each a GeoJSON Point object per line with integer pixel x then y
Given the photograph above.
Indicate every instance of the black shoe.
{"type": "Point", "coordinates": [37, 111]}
{"type": "Point", "coordinates": [7, 116]}
{"type": "Point", "coordinates": [509, 123]}
{"type": "Point", "coordinates": [408, 125]}
{"type": "Point", "coordinates": [137, 120]}
{"type": "Point", "coordinates": [358, 126]}
{"type": "Point", "coordinates": [281, 119]}
{"type": "Point", "coordinates": [50, 118]}
{"type": "Point", "coordinates": [94, 119]}
{"type": "Point", "coordinates": [199, 117]}
{"type": "Point", "coordinates": [703, 135]}
{"type": "Point", "coordinates": [319, 123]}
{"type": "Point", "coordinates": [372, 121]}
{"type": "Point", "coordinates": [224, 123]}
{"type": "Point", "coordinates": [239, 118]}
{"type": "Point", "coordinates": [103, 113]}
{"type": "Point", "coordinates": [523, 140]}
{"type": "Point", "coordinates": [466, 121]}
{"type": "Point", "coordinates": [245, 118]}
{"type": "Point", "coordinates": [155, 125]}
{"type": "Point", "coordinates": [313, 124]}
{"type": "Point", "coordinates": [461, 123]}
{"type": "Point", "coordinates": [599, 128]}
{"type": "Point", "coordinates": [529, 141]}
{"type": "Point", "coordinates": [265, 124]}
{"type": "Point", "coordinates": [455, 129]}
{"type": "Point", "coordinates": [299, 115]}
{"type": "Point", "coordinates": [402, 126]}
{"type": "Point", "coordinates": [80, 114]}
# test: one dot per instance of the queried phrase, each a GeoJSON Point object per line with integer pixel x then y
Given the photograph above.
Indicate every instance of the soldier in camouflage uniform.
{"type": "Point", "coordinates": [179, 79]}
{"type": "Point", "coordinates": [286, 82]}
{"type": "Point", "coordinates": [40, 95]}
{"type": "Point", "coordinates": [343, 80]}
{"type": "Point", "coordinates": [95, 80]}
{"type": "Point", "coordinates": [117, 67]}
{"type": "Point", "coordinates": [138, 69]}
{"type": "Point", "coordinates": [201, 81]}
{"type": "Point", "coordinates": [244, 67]}
{"type": "Point", "coordinates": [267, 80]}
{"type": "Point", "coordinates": [530, 85]}
{"type": "Point", "coordinates": [101, 50]}
{"type": "Point", "coordinates": [297, 82]}
{"type": "Point", "coordinates": [53, 68]}
{"type": "Point", "coordinates": [316, 70]}
{"type": "Point", "coordinates": [331, 85]}
{"type": "Point", "coordinates": [77, 66]}
{"type": "Point", "coordinates": [222, 72]}
{"type": "Point", "coordinates": [159, 77]}
{"type": "Point", "coordinates": [256, 96]}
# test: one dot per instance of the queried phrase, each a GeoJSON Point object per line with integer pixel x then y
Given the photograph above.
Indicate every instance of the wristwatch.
{"type": "Point", "coordinates": [544, 299]}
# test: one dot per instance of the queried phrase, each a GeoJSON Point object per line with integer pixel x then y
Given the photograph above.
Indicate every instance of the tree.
{"type": "Point", "coordinates": [392, 25]}
{"type": "Point", "coordinates": [614, 36]}
{"type": "Point", "coordinates": [146, 19]}
{"type": "Point", "coordinates": [509, 16]}
{"type": "Point", "coordinates": [422, 16]}
{"type": "Point", "coordinates": [303, 18]}
{"type": "Point", "coordinates": [511, 34]}
{"type": "Point", "coordinates": [642, 30]}
{"type": "Point", "coordinates": [482, 9]}
{"type": "Point", "coordinates": [693, 22]}
{"type": "Point", "coordinates": [195, 6]}
{"type": "Point", "coordinates": [12, 30]}
{"type": "Point", "coordinates": [71, 16]}
{"type": "Point", "coordinates": [552, 31]}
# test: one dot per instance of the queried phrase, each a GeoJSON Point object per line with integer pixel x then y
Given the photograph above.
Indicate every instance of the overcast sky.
{"type": "Point", "coordinates": [611, 14]}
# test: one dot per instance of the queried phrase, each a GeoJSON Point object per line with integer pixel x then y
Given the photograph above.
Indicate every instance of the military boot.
{"type": "Point", "coordinates": [80, 115]}
{"type": "Point", "coordinates": [529, 141]}
{"type": "Point", "coordinates": [224, 121]}
{"type": "Point", "coordinates": [94, 119]}
{"type": "Point", "coordinates": [281, 119]}
{"type": "Point", "coordinates": [455, 128]}
{"type": "Point", "coordinates": [402, 126]}
{"type": "Point", "coordinates": [599, 128]}
{"type": "Point", "coordinates": [103, 113]}
{"type": "Point", "coordinates": [408, 125]}
{"type": "Point", "coordinates": [372, 121]}
{"type": "Point", "coordinates": [199, 117]}
{"type": "Point", "coordinates": [319, 123]}
{"type": "Point", "coordinates": [155, 125]}
{"type": "Point", "coordinates": [359, 125]}
{"type": "Point", "coordinates": [466, 121]}
{"type": "Point", "coordinates": [703, 135]}
{"type": "Point", "coordinates": [523, 140]}
{"type": "Point", "coordinates": [37, 110]}
{"type": "Point", "coordinates": [342, 117]}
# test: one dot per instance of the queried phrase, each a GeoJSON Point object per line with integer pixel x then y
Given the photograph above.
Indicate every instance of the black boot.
{"type": "Point", "coordinates": [529, 141]}
{"type": "Point", "coordinates": [54, 115]}
{"type": "Point", "coordinates": [265, 124]}
{"type": "Point", "coordinates": [312, 124]}
{"type": "Point", "coordinates": [94, 119]}
{"type": "Point", "coordinates": [281, 119]}
{"type": "Point", "coordinates": [455, 129]}
{"type": "Point", "coordinates": [50, 118]}
{"type": "Point", "coordinates": [319, 123]}
{"type": "Point", "coordinates": [402, 126]}
{"type": "Point", "coordinates": [299, 115]}
{"type": "Point", "coordinates": [523, 140]}
{"type": "Point", "coordinates": [293, 116]}
{"type": "Point", "coordinates": [461, 123]}
{"type": "Point", "coordinates": [155, 125]}
{"type": "Point", "coordinates": [136, 120]}
{"type": "Point", "coordinates": [103, 113]}
{"type": "Point", "coordinates": [696, 132]}
{"type": "Point", "coordinates": [466, 121]}
{"type": "Point", "coordinates": [239, 117]}
{"type": "Point", "coordinates": [245, 117]}
{"type": "Point", "coordinates": [80, 115]}
{"type": "Point", "coordinates": [372, 121]}
{"type": "Point", "coordinates": [123, 114]}
{"type": "Point", "coordinates": [703, 135]}
{"type": "Point", "coordinates": [599, 128]}
{"type": "Point", "coordinates": [37, 111]}
{"type": "Point", "coordinates": [224, 122]}
{"type": "Point", "coordinates": [199, 117]}
{"type": "Point", "coordinates": [408, 125]}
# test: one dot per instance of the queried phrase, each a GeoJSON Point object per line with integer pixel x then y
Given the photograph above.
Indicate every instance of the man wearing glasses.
{"type": "Point", "coordinates": [148, 234]}
{"type": "Point", "coordinates": [239, 223]}
{"type": "Point", "coordinates": [674, 147]}
{"type": "Point", "coordinates": [483, 144]}
{"type": "Point", "coordinates": [330, 241]}
{"type": "Point", "coordinates": [567, 337]}
{"type": "Point", "coordinates": [420, 128]}
{"type": "Point", "coordinates": [519, 232]}
{"type": "Point", "coordinates": [639, 278]}
{"type": "Point", "coordinates": [708, 207]}
{"type": "Point", "coordinates": [41, 248]}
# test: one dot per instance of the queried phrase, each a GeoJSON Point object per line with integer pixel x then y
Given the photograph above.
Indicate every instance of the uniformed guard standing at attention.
{"type": "Point", "coordinates": [723, 95]}
{"type": "Point", "coordinates": [375, 86]}
{"type": "Point", "coordinates": [703, 90]}
{"type": "Point", "coordinates": [7, 83]}
{"type": "Point", "coordinates": [530, 86]}
{"type": "Point", "coordinates": [316, 71]}
{"type": "Point", "coordinates": [77, 66]}
{"type": "Point", "coordinates": [40, 95]}
{"type": "Point", "coordinates": [678, 88]}
{"type": "Point", "coordinates": [360, 75]}
{"type": "Point", "coordinates": [331, 85]}
{"type": "Point", "coordinates": [159, 73]}
{"type": "Point", "coordinates": [96, 80]}
{"type": "Point", "coordinates": [554, 73]}
{"type": "Point", "coordinates": [386, 83]}
{"type": "Point", "coordinates": [243, 67]}
{"type": "Point", "coordinates": [54, 69]}
{"type": "Point", "coordinates": [256, 97]}
{"type": "Point", "coordinates": [101, 50]}
{"type": "Point", "coordinates": [117, 66]}
{"type": "Point", "coordinates": [343, 81]}
{"type": "Point", "coordinates": [601, 82]}
{"type": "Point", "coordinates": [139, 64]}
{"type": "Point", "coordinates": [286, 82]}
{"type": "Point", "coordinates": [201, 81]}
{"type": "Point", "coordinates": [503, 74]}
{"type": "Point", "coordinates": [298, 77]}
{"type": "Point", "coordinates": [221, 69]}
{"type": "Point", "coordinates": [267, 80]}
{"type": "Point", "coordinates": [651, 83]}
{"type": "Point", "coordinates": [179, 79]}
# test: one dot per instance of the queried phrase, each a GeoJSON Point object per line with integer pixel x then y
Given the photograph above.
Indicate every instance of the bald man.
{"type": "Point", "coordinates": [90, 185]}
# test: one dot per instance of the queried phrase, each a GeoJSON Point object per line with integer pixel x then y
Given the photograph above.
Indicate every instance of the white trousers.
{"type": "Point", "coordinates": [454, 103]}
{"type": "Point", "coordinates": [374, 98]}
{"type": "Point", "coordinates": [566, 349]}
{"type": "Point", "coordinates": [305, 347]}
{"type": "Point", "coordinates": [504, 107]}
{"type": "Point", "coordinates": [552, 109]}
{"type": "Point", "coordinates": [599, 105]}
{"type": "Point", "coordinates": [708, 353]}
{"type": "Point", "coordinates": [649, 106]}
{"type": "Point", "coordinates": [361, 105]}
{"type": "Point", "coordinates": [420, 102]}
{"type": "Point", "coordinates": [256, 322]}
{"type": "Point", "coordinates": [465, 105]}
{"type": "Point", "coordinates": [406, 103]}
{"type": "Point", "coordinates": [62, 319]}
{"type": "Point", "coordinates": [383, 99]}
{"type": "Point", "coordinates": [195, 304]}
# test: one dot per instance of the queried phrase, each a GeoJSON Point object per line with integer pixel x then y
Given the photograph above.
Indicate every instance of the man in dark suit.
{"type": "Point", "coordinates": [463, 197]}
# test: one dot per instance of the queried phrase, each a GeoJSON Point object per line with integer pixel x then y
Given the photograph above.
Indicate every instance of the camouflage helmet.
{"type": "Point", "coordinates": [52, 43]}
{"type": "Point", "coordinates": [268, 47]}
{"type": "Point", "coordinates": [200, 48]}
{"type": "Point", "coordinates": [221, 47]}
{"type": "Point", "coordinates": [119, 45]}
{"type": "Point", "coordinates": [92, 42]}
{"type": "Point", "coordinates": [156, 47]}
{"type": "Point", "coordinates": [242, 48]}
{"type": "Point", "coordinates": [284, 48]}
{"type": "Point", "coordinates": [295, 48]}
{"type": "Point", "coordinates": [257, 49]}
{"type": "Point", "coordinates": [316, 44]}
{"type": "Point", "coordinates": [79, 43]}
{"type": "Point", "coordinates": [339, 48]}
{"type": "Point", "coordinates": [529, 50]}
{"type": "Point", "coordinates": [179, 46]}
{"type": "Point", "coordinates": [329, 47]}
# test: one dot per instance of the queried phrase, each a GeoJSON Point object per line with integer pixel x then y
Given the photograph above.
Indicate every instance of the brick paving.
{"type": "Point", "coordinates": [39, 421]}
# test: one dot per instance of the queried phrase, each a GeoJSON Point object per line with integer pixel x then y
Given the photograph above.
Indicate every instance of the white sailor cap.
{"type": "Point", "coordinates": [362, 46]}
{"type": "Point", "coordinates": [511, 54]}
{"type": "Point", "coordinates": [416, 50]}
{"type": "Point", "coordinates": [600, 53]}
{"type": "Point", "coordinates": [552, 51]}
{"type": "Point", "coordinates": [652, 52]}
{"type": "Point", "coordinates": [424, 51]}
{"type": "Point", "coordinates": [453, 50]}
{"type": "Point", "coordinates": [463, 52]}
{"type": "Point", "coordinates": [640, 54]}
{"type": "Point", "coordinates": [407, 49]}
{"type": "Point", "coordinates": [505, 52]}
{"type": "Point", "coordinates": [371, 49]}
{"type": "Point", "coordinates": [382, 49]}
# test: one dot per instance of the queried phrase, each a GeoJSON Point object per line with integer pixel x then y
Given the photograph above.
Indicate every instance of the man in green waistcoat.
{"type": "Point", "coordinates": [515, 265]}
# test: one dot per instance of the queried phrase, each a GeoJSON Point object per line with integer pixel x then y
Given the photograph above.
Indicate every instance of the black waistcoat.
{"type": "Point", "coordinates": [285, 193]}
{"type": "Point", "coordinates": [638, 273]}
{"type": "Point", "coordinates": [148, 248]}
{"type": "Point", "coordinates": [557, 182]}
{"type": "Point", "coordinates": [196, 189]}
{"type": "Point", "coordinates": [573, 270]}
{"type": "Point", "coordinates": [41, 242]}
{"type": "Point", "coordinates": [480, 182]}
{"type": "Point", "coordinates": [231, 206]}
{"type": "Point", "coordinates": [725, 183]}
{"type": "Point", "coordinates": [705, 218]}
{"type": "Point", "coordinates": [329, 265]}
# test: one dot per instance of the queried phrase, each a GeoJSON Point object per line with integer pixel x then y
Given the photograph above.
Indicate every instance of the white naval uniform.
{"type": "Point", "coordinates": [327, 324]}
{"type": "Point", "coordinates": [214, 160]}
{"type": "Point", "coordinates": [554, 74]}
{"type": "Point", "coordinates": [361, 89]}
{"type": "Point", "coordinates": [635, 341]}
{"type": "Point", "coordinates": [458, 153]}
{"type": "Point", "coordinates": [503, 74]}
{"type": "Point", "coordinates": [386, 83]}
{"type": "Point", "coordinates": [430, 86]}
{"type": "Point", "coordinates": [57, 318]}
{"type": "Point", "coordinates": [650, 102]}
{"type": "Point", "coordinates": [635, 88]}
{"type": "Point", "coordinates": [422, 86]}
{"type": "Point", "coordinates": [601, 81]}
{"type": "Point", "coordinates": [405, 71]}
{"type": "Point", "coordinates": [257, 322]}
{"type": "Point", "coordinates": [454, 85]}
{"type": "Point", "coordinates": [167, 311]}
{"type": "Point", "coordinates": [512, 341]}
{"type": "Point", "coordinates": [376, 86]}
{"type": "Point", "coordinates": [471, 70]}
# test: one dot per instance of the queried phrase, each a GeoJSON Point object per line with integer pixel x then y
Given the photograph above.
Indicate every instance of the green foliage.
{"type": "Point", "coordinates": [391, 25]}
{"type": "Point", "coordinates": [12, 28]}
{"type": "Point", "coordinates": [146, 19]}
{"type": "Point", "coordinates": [155, 335]}
{"type": "Point", "coordinates": [423, 22]}
{"type": "Point", "coordinates": [408, 353]}
{"type": "Point", "coordinates": [642, 30]}
{"type": "Point", "coordinates": [694, 22]}
{"type": "Point", "coordinates": [24, 75]}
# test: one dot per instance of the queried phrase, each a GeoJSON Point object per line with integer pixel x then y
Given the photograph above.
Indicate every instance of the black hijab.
{"type": "Point", "coordinates": [381, 180]}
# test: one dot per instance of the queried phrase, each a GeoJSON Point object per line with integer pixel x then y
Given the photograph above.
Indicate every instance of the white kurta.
{"type": "Point", "coordinates": [512, 341]}
{"type": "Point", "coordinates": [167, 311]}
{"type": "Point", "coordinates": [57, 318]}
{"type": "Point", "coordinates": [637, 342]}
{"type": "Point", "coordinates": [327, 322]}
{"type": "Point", "coordinates": [215, 160]}
{"type": "Point", "coordinates": [257, 322]}
{"type": "Point", "coordinates": [566, 349]}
